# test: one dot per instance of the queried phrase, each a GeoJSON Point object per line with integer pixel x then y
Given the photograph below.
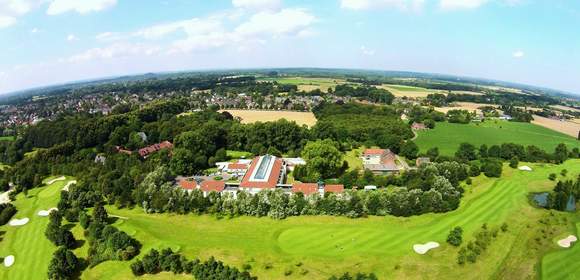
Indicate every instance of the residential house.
{"type": "Point", "coordinates": [380, 161]}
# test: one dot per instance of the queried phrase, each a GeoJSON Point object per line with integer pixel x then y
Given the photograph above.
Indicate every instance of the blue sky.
{"type": "Point", "coordinates": [44, 42]}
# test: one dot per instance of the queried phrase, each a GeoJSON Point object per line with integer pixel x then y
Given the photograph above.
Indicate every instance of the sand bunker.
{"type": "Point", "coordinates": [9, 261]}
{"type": "Point", "coordinates": [70, 183]}
{"type": "Point", "coordinates": [45, 213]}
{"type": "Point", "coordinates": [61, 178]}
{"type": "Point", "coordinates": [567, 242]}
{"type": "Point", "coordinates": [424, 248]}
{"type": "Point", "coordinates": [19, 222]}
{"type": "Point", "coordinates": [525, 168]}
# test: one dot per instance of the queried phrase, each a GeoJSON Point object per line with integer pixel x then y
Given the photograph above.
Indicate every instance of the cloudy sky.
{"type": "Point", "coordinates": [44, 42]}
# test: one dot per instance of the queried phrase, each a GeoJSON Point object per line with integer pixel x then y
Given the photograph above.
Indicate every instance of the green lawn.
{"type": "Point", "coordinates": [239, 154]}
{"type": "Point", "coordinates": [563, 263]}
{"type": "Point", "coordinates": [448, 136]}
{"type": "Point", "coordinates": [32, 251]}
{"type": "Point", "coordinates": [353, 159]}
{"type": "Point", "coordinates": [7, 138]}
{"type": "Point", "coordinates": [331, 245]}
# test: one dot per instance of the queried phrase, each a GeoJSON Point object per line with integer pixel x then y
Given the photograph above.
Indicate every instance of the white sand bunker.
{"type": "Point", "coordinates": [19, 222]}
{"type": "Point", "coordinates": [61, 178]}
{"type": "Point", "coordinates": [525, 168]}
{"type": "Point", "coordinates": [424, 248]}
{"type": "Point", "coordinates": [70, 183]}
{"type": "Point", "coordinates": [45, 213]}
{"type": "Point", "coordinates": [9, 261]}
{"type": "Point", "coordinates": [567, 242]}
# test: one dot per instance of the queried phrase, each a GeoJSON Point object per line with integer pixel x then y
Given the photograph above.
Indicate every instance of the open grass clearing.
{"type": "Point", "coordinates": [323, 245]}
{"type": "Point", "coordinates": [7, 138]}
{"type": "Point", "coordinates": [31, 249]}
{"type": "Point", "coordinates": [252, 116]}
{"type": "Point", "coordinates": [448, 136]}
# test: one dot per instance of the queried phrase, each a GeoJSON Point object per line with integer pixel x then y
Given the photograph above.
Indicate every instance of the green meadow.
{"type": "Point", "coordinates": [31, 250]}
{"type": "Point", "coordinates": [448, 136]}
{"type": "Point", "coordinates": [318, 247]}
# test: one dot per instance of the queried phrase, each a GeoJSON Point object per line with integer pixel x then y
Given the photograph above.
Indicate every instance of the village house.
{"type": "Point", "coordinates": [419, 126]}
{"type": "Point", "coordinates": [313, 188]}
{"type": "Point", "coordinates": [145, 152]}
{"type": "Point", "coordinates": [380, 161]}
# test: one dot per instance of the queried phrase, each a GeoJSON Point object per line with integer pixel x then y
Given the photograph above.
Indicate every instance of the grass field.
{"type": "Point", "coordinates": [562, 264]}
{"type": "Point", "coordinates": [32, 251]}
{"type": "Point", "coordinates": [448, 136]}
{"type": "Point", "coordinates": [252, 116]}
{"type": "Point", "coordinates": [316, 247]}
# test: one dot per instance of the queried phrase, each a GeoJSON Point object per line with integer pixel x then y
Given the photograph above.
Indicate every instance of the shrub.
{"type": "Point", "coordinates": [552, 176]}
{"type": "Point", "coordinates": [455, 236]}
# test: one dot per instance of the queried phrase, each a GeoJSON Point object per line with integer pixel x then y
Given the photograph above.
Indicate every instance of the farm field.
{"type": "Point", "coordinates": [566, 127]}
{"type": "Point", "coordinates": [252, 116]}
{"type": "Point", "coordinates": [309, 84]}
{"type": "Point", "coordinates": [316, 247]}
{"type": "Point", "coordinates": [409, 91]}
{"type": "Point", "coordinates": [31, 249]}
{"type": "Point", "coordinates": [448, 136]}
{"type": "Point", "coordinates": [469, 106]}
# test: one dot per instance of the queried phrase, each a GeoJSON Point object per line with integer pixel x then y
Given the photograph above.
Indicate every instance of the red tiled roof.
{"type": "Point", "coordinates": [334, 188]}
{"type": "Point", "coordinates": [305, 188]}
{"type": "Point", "coordinates": [213, 186]}
{"type": "Point", "coordinates": [188, 185]}
{"type": "Point", "coordinates": [154, 148]}
{"type": "Point", "coordinates": [232, 166]}
{"type": "Point", "coordinates": [272, 180]}
{"type": "Point", "coordinates": [374, 152]}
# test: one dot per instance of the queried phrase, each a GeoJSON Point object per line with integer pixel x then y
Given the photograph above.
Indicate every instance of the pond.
{"type": "Point", "coordinates": [541, 199]}
{"type": "Point", "coordinates": [571, 205]}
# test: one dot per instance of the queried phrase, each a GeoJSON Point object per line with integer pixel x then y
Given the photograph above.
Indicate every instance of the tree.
{"type": "Point", "coordinates": [514, 162]}
{"type": "Point", "coordinates": [492, 168]}
{"type": "Point", "coordinates": [433, 153]}
{"type": "Point", "coordinates": [455, 236]}
{"type": "Point", "coordinates": [100, 214]}
{"type": "Point", "coordinates": [323, 159]}
{"type": "Point", "coordinates": [466, 152]}
{"type": "Point", "coordinates": [409, 150]}
{"type": "Point", "coordinates": [561, 153]}
{"type": "Point", "coordinates": [63, 265]}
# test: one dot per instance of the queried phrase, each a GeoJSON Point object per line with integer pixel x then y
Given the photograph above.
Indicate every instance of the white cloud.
{"type": "Point", "coordinates": [71, 37]}
{"type": "Point", "coordinates": [57, 7]}
{"type": "Point", "coordinates": [258, 4]}
{"type": "Point", "coordinates": [119, 50]}
{"type": "Point", "coordinates": [10, 10]}
{"type": "Point", "coordinates": [108, 36]}
{"type": "Point", "coordinates": [285, 22]}
{"type": "Point", "coordinates": [519, 54]}
{"type": "Point", "coordinates": [6, 21]}
{"type": "Point", "coordinates": [34, 30]}
{"type": "Point", "coordinates": [461, 4]}
{"type": "Point", "coordinates": [366, 51]}
{"type": "Point", "coordinates": [191, 27]}
{"type": "Point", "coordinates": [361, 5]}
